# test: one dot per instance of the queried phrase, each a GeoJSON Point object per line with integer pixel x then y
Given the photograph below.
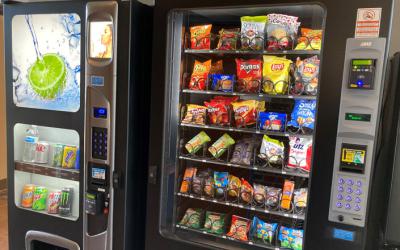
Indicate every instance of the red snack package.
{"type": "Point", "coordinates": [249, 74]}
{"type": "Point", "coordinates": [246, 112]}
{"type": "Point", "coordinates": [200, 36]}
{"type": "Point", "coordinates": [246, 191]}
{"type": "Point", "coordinates": [218, 109]}
{"type": "Point", "coordinates": [239, 228]}
{"type": "Point", "coordinates": [198, 80]}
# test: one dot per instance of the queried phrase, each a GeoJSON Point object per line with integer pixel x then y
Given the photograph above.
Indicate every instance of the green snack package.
{"type": "Point", "coordinates": [221, 145]}
{"type": "Point", "coordinates": [192, 218]}
{"type": "Point", "coordinates": [197, 142]}
{"type": "Point", "coordinates": [39, 198]}
{"type": "Point", "coordinates": [215, 222]}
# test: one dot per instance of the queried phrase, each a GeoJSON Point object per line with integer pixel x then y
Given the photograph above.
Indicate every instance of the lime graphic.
{"type": "Point", "coordinates": [48, 76]}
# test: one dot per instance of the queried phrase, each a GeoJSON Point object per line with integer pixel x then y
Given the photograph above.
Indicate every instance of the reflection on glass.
{"type": "Point", "coordinates": [101, 39]}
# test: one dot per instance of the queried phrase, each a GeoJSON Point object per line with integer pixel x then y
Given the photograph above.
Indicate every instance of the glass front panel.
{"type": "Point", "coordinates": [46, 54]}
{"type": "Point", "coordinates": [47, 170]}
{"type": "Point", "coordinates": [242, 95]}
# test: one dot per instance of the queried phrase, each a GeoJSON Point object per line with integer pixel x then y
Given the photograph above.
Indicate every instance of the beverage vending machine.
{"type": "Point", "coordinates": [277, 121]}
{"type": "Point", "coordinates": [74, 89]}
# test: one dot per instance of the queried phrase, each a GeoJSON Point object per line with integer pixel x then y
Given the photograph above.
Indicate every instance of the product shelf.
{"type": "Point", "coordinates": [249, 167]}
{"type": "Point", "coordinates": [46, 170]}
{"type": "Point", "coordinates": [254, 52]}
{"type": "Point", "coordinates": [72, 218]}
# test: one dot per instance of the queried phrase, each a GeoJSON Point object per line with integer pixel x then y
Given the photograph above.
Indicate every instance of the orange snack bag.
{"type": "Point", "coordinates": [200, 36]}
{"type": "Point", "coordinates": [198, 80]}
{"type": "Point", "coordinates": [187, 179]}
{"type": "Point", "coordinates": [288, 189]}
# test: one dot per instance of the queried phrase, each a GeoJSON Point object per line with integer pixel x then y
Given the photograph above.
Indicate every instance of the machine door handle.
{"type": "Point", "coordinates": [115, 179]}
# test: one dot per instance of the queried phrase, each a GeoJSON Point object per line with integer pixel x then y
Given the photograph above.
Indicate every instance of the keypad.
{"type": "Point", "coordinates": [99, 143]}
{"type": "Point", "coordinates": [349, 195]}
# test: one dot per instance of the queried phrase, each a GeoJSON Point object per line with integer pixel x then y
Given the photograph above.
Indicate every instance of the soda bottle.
{"type": "Point", "coordinates": [30, 141]}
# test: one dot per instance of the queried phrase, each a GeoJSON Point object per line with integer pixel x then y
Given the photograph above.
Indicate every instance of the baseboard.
{"type": "Point", "coordinates": [3, 184]}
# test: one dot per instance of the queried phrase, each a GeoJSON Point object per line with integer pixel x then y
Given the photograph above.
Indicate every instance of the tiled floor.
{"type": "Point", "coordinates": [3, 220]}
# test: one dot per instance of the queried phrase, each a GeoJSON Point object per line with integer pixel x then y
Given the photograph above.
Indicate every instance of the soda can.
{"type": "Point", "coordinates": [39, 198]}
{"type": "Point", "coordinates": [27, 195]}
{"type": "Point", "coordinates": [42, 152]}
{"type": "Point", "coordinates": [65, 207]}
{"type": "Point", "coordinates": [58, 153]}
{"type": "Point", "coordinates": [77, 163]}
{"type": "Point", "coordinates": [53, 202]}
{"type": "Point", "coordinates": [69, 157]}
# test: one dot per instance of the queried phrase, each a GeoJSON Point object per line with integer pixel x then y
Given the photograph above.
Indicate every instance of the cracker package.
{"type": "Point", "coordinates": [276, 75]}
{"type": "Point", "coordinates": [200, 37]}
{"type": "Point", "coordinates": [199, 78]}
{"type": "Point", "coordinates": [272, 121]}
{"type": "Point", "coordinates": [300, 153]}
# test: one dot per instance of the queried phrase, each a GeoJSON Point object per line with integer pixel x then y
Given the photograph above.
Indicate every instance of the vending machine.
{"type": "Point", "coordinates": [271, 124]}
{"type": "Point", "coordinates": [74, 88]}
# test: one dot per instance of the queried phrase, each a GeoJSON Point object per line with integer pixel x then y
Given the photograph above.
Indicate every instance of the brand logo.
{"type": "Point", "coordinates": [200, 68]}
{"type": "Point", "coordinates": [277, 66]}
{"type": "Point", "coordinates": [298, 146]}
{"type": "Point", "coordinates": [41, 148]}
{"type": "Point", "coordinates": [309, 69]}
{"type": "Point", "coordinates": [242, 109]}
{"type": "Point", "coordinates": [249, 67]}
{"type": "Point", "coordinates": [69, 156]}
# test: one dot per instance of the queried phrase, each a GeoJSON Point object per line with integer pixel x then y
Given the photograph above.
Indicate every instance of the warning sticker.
{"type": "Point", "coordinates": [368, 22]}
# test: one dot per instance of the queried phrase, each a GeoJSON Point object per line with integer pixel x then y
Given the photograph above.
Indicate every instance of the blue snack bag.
{"type": "Point", "coordinates": [263, 230]}
{"type": "Point", "coordinates": [221, 82]}
{"type": "Point", "coordinates": [220, 182]}
{"type": "Point", "coordinates": [291, 238]}
{"type": "Point", "coordinates": [272, 121]}
{"type": "Point", "coordinates": [303, 115]}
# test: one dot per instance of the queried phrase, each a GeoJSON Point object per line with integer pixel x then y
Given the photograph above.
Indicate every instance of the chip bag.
{"type": "Point", "coordinates": [272, 150]}
{"type": "Point", "coordinates": [246, 191]}
{"type": "Point", "coordinates": [252, 32]}
{"type": "Point", "coordinates": [234, 186]}
{"type": "Point", "coordinates": [214, 223]}
{"type": "Point", "coordinates": [195, 114]}
{"type": "Point", "coordinates": [246, 112]}
{"type": "Point", "coordinates": [300, 153]}
{"type": "Point", "coordinates": [219, 147]}
{"type": "Point", "coordinates": [239, 228]}
{"type": "Point", "coordinates": [281, 31]}
{"type": "Point", "coordinates": [249, 74]}
{"type": "Point", "coordinates": [306, 76]}
{"type": "Point", "coordinates": [300, 197]}
{"type": "Point", "coordinates": [228, 39]}
{"type": "Point", "coordinates": [310, 39]}
{"type": "Point", "coordinates": [197, 142]}
{"type": "Point", "coordinates": [220, 82]}
{"type": "Point", "coordinates": [199, 78]}
{"type": "Point", "coordinates": [192, 218]}
{"type": "Point", "coordinates": [200, 37]}
{"type": "Point", "coordinates": [287, 194]}
{"type": "Point", "coordinates": [243, 151]}
{"type": "Point", "coordinates": [276, 75]}
{"type": "Point", "coordinates": [221, 180]}
{"type": "Point", "coordinates": [303, 115]}
{"type": "Point", "coordinates": [291, 238]}
{"type": "Point", "coordinates": [217, 67]}
{"type": "Point", "coordinates": [218, 109]}
{"type": "Point", "coordinates": [187, 179]}
{"type": "Point", "coordinates": [259, 194]}
{"type": "Point", "coordinates": [199, 179]}
{"type": "Point", "coordinates": [272, 121]}
{"type": "Point", "coordinates": [263, 230]}
{"type": "Point", "coordinates": [273, 196]}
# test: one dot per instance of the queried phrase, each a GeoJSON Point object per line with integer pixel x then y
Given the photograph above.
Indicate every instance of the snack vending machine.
{"type": "Point", "coordinates": [73, 69]}
{"type": "Point", "coordinates": [272, 114]}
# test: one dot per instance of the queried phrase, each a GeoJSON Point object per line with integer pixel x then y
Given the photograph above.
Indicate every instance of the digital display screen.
{"type": "Point", "coordinates": [362, 62]}
{"type": "Point", "coordinates": [101, 39]}
{"type": "Point", "coordinates": [343, 234]}
{"type": "Point", "coordinates": [353, 158]}
{"type": "Point", "coordinates": [99, 112]}
{"type": "Point", "coordinates": [99, 173]}
{"type": "Point", "coordinates": [358, 117]}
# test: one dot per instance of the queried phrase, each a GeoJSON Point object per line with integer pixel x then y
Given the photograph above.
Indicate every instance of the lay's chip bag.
{"type": "Point", "coordinates": [276, 75]}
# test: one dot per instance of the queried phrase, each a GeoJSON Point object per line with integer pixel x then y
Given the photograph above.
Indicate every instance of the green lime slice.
{"type": "Point", "coordinates": [48, 76]}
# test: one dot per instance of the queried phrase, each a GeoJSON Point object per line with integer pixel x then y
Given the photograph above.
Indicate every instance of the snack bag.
{"type": "Point", "coordinates": [246, 191]}
{"type": "Point", "coordinates": [187, 179]}
{"type": "Point", "coordinates": [310, 39]}
{"type": "Point", "coordinates": [300, 197]}
{"type": "Point", "coordinates": [306, 76]}
{"type": "Point", "coordinates": [300, 153]}
{"type": "Point", "coordinates": [200, 37]}
{"type": "Point", "coordinates": [215, 222]}
{"type": "Point", "coordinates": [218, 109]}
{"type": "Point", "coordinates": [263, 230]}
{"type": "Point", "coordinates": [217, 67]}
{"type": "Point", "coordinates": [239, 228]}
{"type": "Point", "coordinates": [243, 151]}
{"type": "Point", "coordinates": [221, 180]}
{"type": "Point", "coordinates": [228, 39]}
{"type": "Point", "coordinates": [276, 75]}
{"type": "Point", "coordinates": [249, 74]}
{"type": "Point", "coordinates": [272, 121]}
{"type": "Point", "coordinates": [220, 82]}
{"type": "Point", "coordinates": [209, 186]}
{"type": "Point", "coordinates": [272, 150]}
{"type": "Point", "coordinates": [246, 112]}
{"type": "Point", "coordinates": [303, 115]}
{"type": "Point", "coordinates": [287, 194]}
{"type": "Point", "coordinates": [234, 186]}
{"type": "Point", "coordinates": [198, 180]}
{"type": "Point", "coordinates": [252, 32]}
{"type": "Point", "coordinates": [221, 145]}
{"type": "Point", "coordinates": [291, 238]}
{"type": "Point", "coordinates": [281, 31]}
{"type": "Point", "coordinates": [273, 196]}
{"type": "Point", "coordinates": [199, 78]}
{"type": "Point", "coordinates": [197, 142]}
{"type": "Point", "coordinates": [195, 114]}
{"type": "Point", "coordinates": [192, 218]}
{"type": "Point", "coordinates": [259, 194]}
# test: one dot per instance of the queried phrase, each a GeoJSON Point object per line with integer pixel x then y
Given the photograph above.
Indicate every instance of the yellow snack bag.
{"type": "Point", "coordinates": [195, 114]}
{"type": "Point", "coordinates": [276, 75]}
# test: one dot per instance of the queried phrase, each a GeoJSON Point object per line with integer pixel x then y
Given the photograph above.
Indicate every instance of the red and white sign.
{"type": "Point", "coordinates": [368, 22]}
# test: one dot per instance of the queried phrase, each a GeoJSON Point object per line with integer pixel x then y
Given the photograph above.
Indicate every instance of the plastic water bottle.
{"type": "Point", "coordinates": [30, 141]}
